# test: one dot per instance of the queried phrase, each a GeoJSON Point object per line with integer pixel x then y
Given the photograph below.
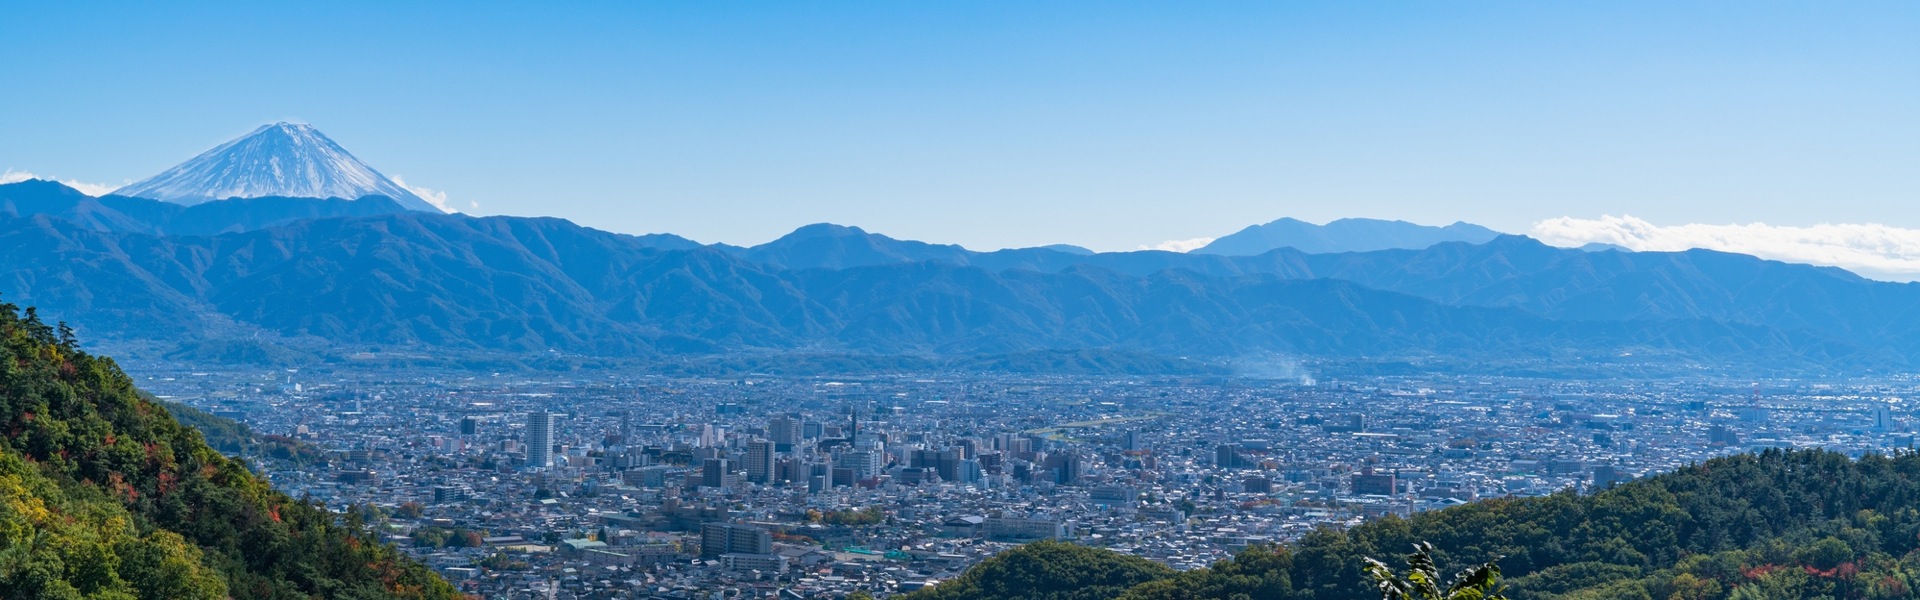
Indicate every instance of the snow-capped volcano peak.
{"type": "Point", "coordinates": [281, 159]}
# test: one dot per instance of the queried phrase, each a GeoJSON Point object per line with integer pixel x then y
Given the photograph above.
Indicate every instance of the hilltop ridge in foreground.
{"type": "Point", "coordinates": [1773, 525]}
{"type": "Point", "coordinates": [104, 495]}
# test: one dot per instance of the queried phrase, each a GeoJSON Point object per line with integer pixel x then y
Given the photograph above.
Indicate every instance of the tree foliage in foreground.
{"type": "Point", "coordinates": [1049, 571]}
{"type": "Point", "coordinates": [1422, 581]}
{"type": "Point", "coordinates": [103, 494]}
{"type": "Point", "coordinates": [1772, 525]}
{"type": "Point", "coordinates": [1777, 524]}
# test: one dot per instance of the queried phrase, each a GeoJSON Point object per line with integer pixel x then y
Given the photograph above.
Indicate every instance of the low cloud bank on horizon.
{"type": "Point", "coordinates": [90, 189]}
{"type": "Point", "coordinates": [1871, 250]}
{"type": "Point", "coordinates": [1180, 245]}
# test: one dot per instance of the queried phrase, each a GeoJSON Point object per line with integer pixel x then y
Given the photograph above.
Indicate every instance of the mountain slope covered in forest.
{"type": "Point", "coordinates": [530, 285]}
{"type": "Point", "coordinates": [103, 494]}
{"type": "Point", "coordinates": [302, 279]}
{"type": "Point", "coordinates": [1778, 524]}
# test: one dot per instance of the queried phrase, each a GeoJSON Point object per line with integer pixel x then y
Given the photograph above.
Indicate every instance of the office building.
{"type": "Point", "coordinates": [945, 462]}
{"type": "Point", "coordinates": [739, 561]}
{"type": "Point", "coordinates": [1066, 467]}
{"type": "Point", "coordinates": [1018, 529]}
{"type": "Point", "coordinates": [1720, 435]}
{"type": "Point", "coordinates": [540, 439]}
{"type": "Point", "coordinates": [1257, 485]}
{"type": "Point", "coordinates": [785, 432]}
{"type": "Point", "coordinates": [760, 461]}
{"type": "Point", "coordinates": [1883, 419]}
{"type": "Point", "coordinates": [1227, 456]}
{"type": "Point", "coordinates": [1368, 483]}
{"type": "Point", "coordinates": [969, 471]}
{"type": "Point", "coordinates": [714, 472]}
{"type": "Point", "coordinates": [717, 539]}
{"type": "Point", "coordinates": [864, 463]}
{"type": "Point", "coordinates": [1606, 476]}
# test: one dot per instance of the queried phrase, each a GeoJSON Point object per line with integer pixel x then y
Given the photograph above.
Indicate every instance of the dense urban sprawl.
{"type": "Point", "coordinates": [608, 486]}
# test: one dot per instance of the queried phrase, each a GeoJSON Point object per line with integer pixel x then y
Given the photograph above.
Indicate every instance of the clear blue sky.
{"type": "Point", "coordinates": [1005, 124]}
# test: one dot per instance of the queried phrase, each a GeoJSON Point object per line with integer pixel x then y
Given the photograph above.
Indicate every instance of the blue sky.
{"type": "Point", "coordinates": [1110, 125]}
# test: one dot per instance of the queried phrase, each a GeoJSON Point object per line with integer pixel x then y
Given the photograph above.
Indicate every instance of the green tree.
{"type": "Point", "coordinates": [1257, 572]}
{"type": "Point", "coordinates": [1048, 571]}
{"type": "Point", "coordinates": [1422, 581]}
{"type": "Point", "coordinates": [1825, 554]}
{"type": "Point", "coordinates": [411, 510]}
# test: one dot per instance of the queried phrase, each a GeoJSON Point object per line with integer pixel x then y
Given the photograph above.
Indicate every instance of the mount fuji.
{"type": "Point", "coordinates": [281, 159]}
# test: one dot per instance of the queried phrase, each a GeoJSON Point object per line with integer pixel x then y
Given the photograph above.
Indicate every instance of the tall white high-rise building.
{"type": "Point", "coordinates": [1883, 418]}
{"type": "Point", "coordinates": [540, 439]}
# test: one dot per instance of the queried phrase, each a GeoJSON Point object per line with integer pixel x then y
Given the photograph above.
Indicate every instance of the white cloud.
{"type": "Point", "coordinates": [1180, 245]}
{"type": "Point", "coordinates": [435, 197]}
{"type": "Point", "coordinates": [1871, 250]}
{"type": "Point", "coordinates": [90, 189]}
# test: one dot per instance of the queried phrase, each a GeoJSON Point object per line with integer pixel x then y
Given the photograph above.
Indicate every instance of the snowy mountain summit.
{"type": "Point", "coordinates": [282, 159]}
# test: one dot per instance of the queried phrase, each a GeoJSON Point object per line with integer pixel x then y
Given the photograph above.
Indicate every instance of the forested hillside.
{"type": "Point", "coordinates": [268, 280]}
{"type": "Point", "coordinates": [104, 495]}
{"type": "Point", "coordinates": [1050, 571]}
{"type": "Point", "coordinates": [1775, 525]}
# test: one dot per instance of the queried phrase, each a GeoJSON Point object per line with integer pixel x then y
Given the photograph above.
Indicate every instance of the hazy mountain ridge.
{"type": "Point", "coordinates": [533, 284]}
{"type": "Point", "coordinates": [142, 215]}
{"type": "Point", "coordinates": [1506, 271]}
{"type": "Point", "coordinates": [1343, 235]}
{"type": "Point", "coordinates": [830, 246]}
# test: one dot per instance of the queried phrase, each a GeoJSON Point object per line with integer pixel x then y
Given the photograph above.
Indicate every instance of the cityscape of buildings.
{"type": "Point", "coordinates": [614, 486]}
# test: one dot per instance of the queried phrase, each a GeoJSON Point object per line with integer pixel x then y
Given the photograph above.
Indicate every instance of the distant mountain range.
{"type": "Point", "coordinates": [360, 274]}
{"type": "Point", "coordinates": [1343, 235]}
{"type": "Point", "coordinates": [140, 215]}
{"type": "Point", "coordinates": [278, 160]}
